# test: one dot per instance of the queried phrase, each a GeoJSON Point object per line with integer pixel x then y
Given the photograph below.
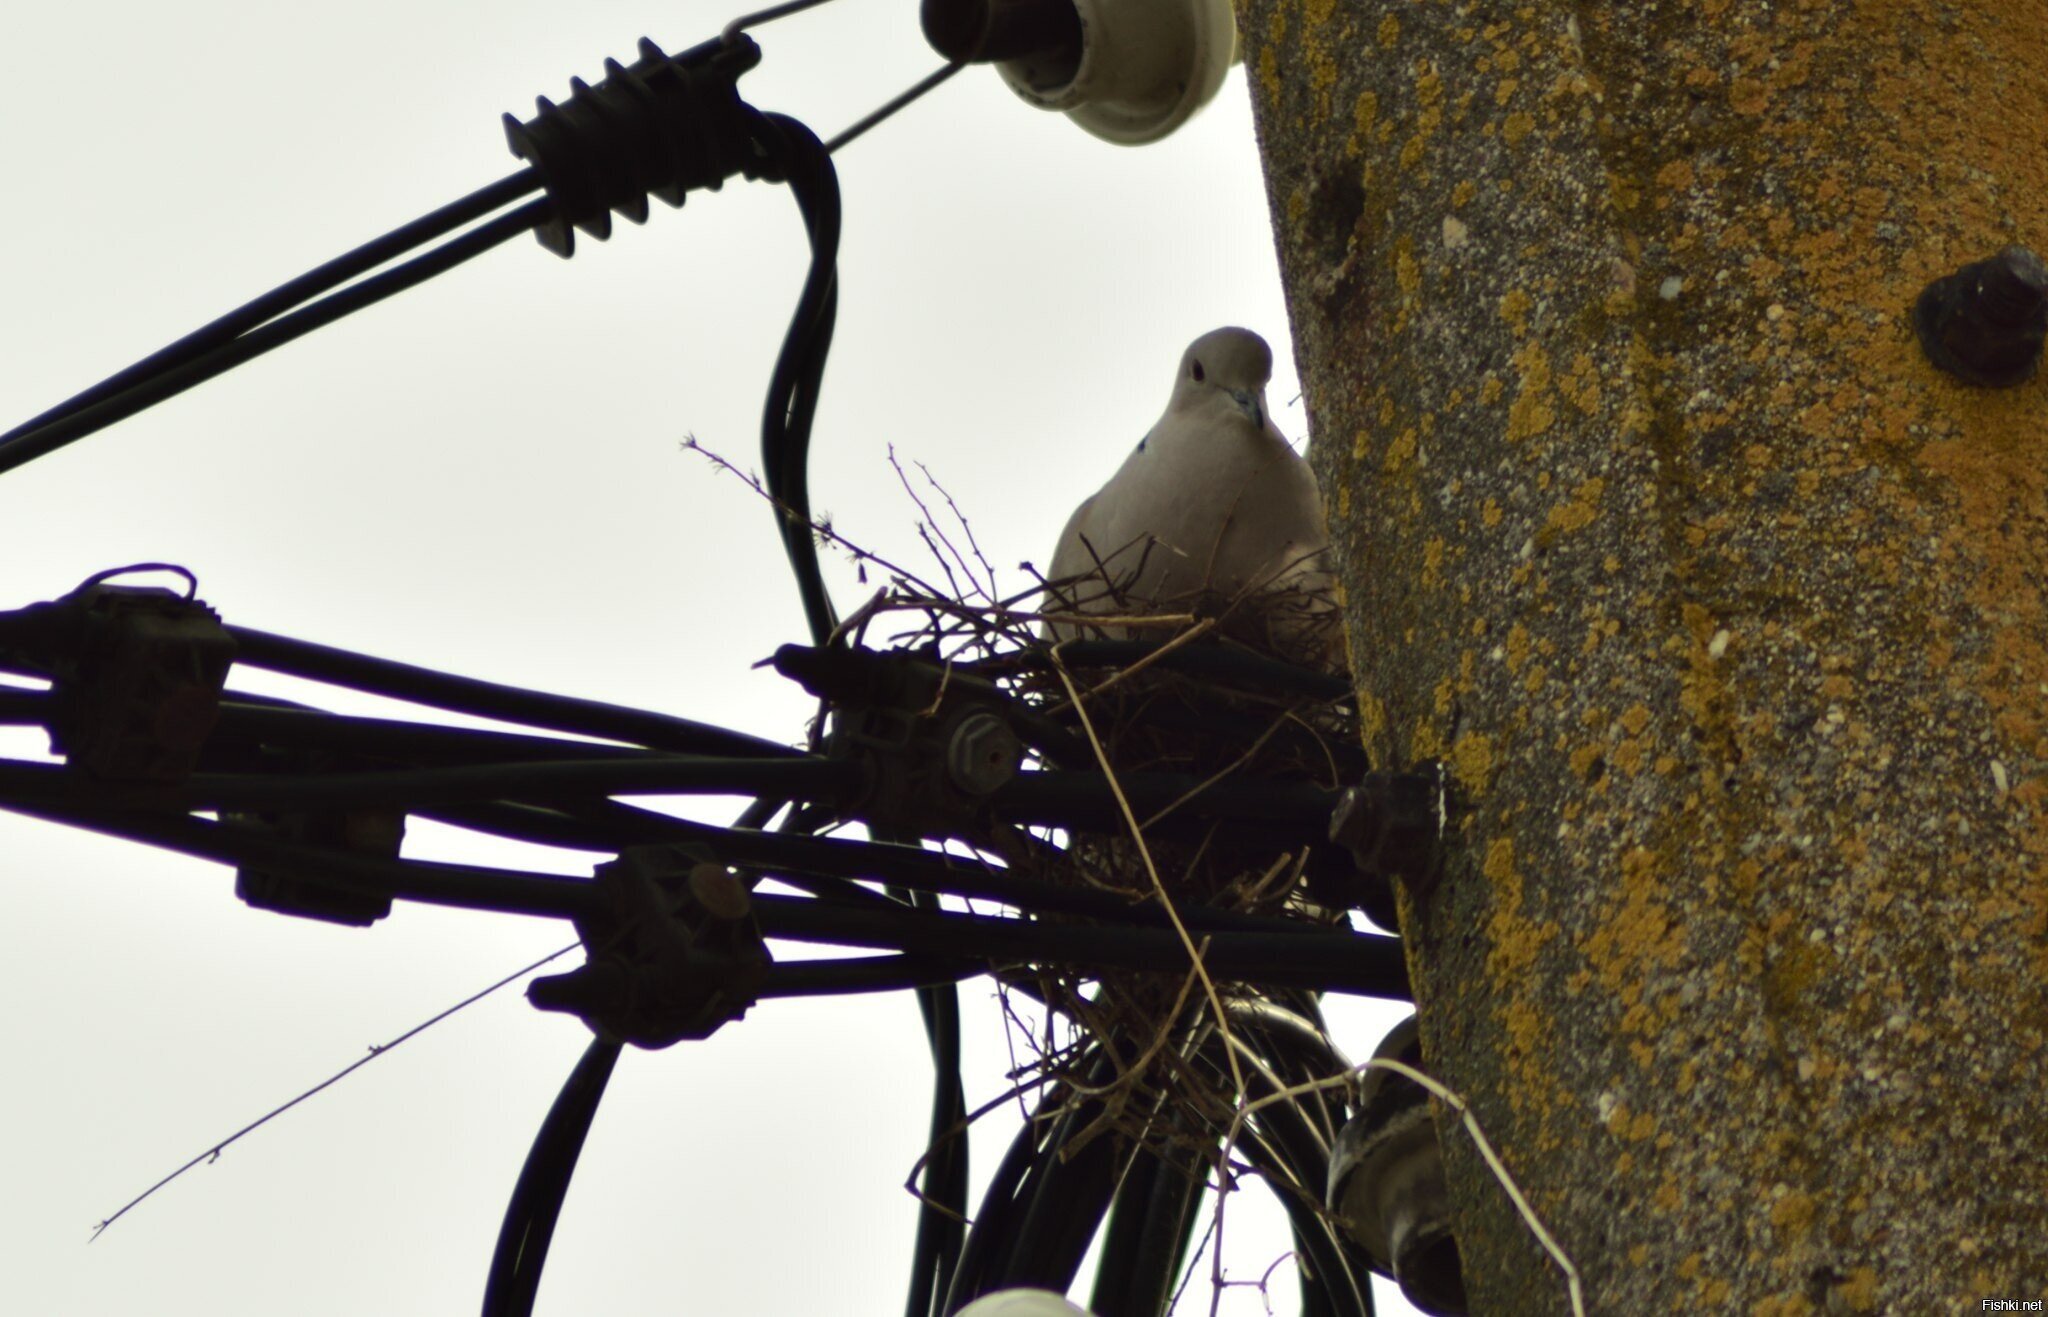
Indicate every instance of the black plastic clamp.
{"type": "Point", "coordinates": [674, 950]}
{"type": "Point", "coordinates": [136, 675]}
{"type": "Point", "coordinates": [935, 745]}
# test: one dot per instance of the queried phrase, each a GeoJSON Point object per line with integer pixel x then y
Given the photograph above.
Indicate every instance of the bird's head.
{"type": "Point", "coordinates": [1225, 367]}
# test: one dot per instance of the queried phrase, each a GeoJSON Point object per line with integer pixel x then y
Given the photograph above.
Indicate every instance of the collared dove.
{"type": "Point", "coordinates": [1213, 510]}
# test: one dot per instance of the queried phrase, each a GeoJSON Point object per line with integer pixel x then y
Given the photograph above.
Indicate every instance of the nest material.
{"type": "Point", "coordinates": [1171, 1090]}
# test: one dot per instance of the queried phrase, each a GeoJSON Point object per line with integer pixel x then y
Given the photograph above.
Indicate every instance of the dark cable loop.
{"type": "Point", "coordinates": [798, 158]}
{"type": "Point", "coordinates": [536, 1204]}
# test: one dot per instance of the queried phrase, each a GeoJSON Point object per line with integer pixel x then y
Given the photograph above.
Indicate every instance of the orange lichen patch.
{"type": "Point", "coordinates": [1531, 413]}
{"type": "Point", "coordinates": [1514, 309]}
{"type": "Point", "coordinates": [1790, 1304]}
{"type": "Point", "coordinates": [1792, 1213]}
{"type": "Point", "coordinates": [1515, 649]}
{"type": "Point", "coordinates": [1407, 274]}
{"type": "Point", "coordinates": [1372, 716]}
{"type": "Point", "coordinates": [1581, 384]}
{"type": "Point", "coordinates": [1578, 512]}
{"type": "Point", "coordinates": [1676, 176]}
{"type": "Point", "coordinates": [1400, 453]}
{"type": "Point", "coordinates": [1472, 762]}
{"type": "Point", "coordinates": [1640, 934]}
{"type": "Point", "coordinates": [1859, 1291]}
{"type": "Point", "coordinates": [1364, 113]}
{"type": "Point", "coordinates": [1514, 942]}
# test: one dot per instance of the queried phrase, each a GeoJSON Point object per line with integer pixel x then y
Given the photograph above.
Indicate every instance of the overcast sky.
{"type": "Point", "coordinates": [484, 475]}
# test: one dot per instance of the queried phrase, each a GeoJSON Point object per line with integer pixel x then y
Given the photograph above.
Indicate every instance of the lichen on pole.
{"type": "Point", "coordinates": [1722, 603]}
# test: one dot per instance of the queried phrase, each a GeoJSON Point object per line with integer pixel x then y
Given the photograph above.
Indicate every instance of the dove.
{"type": "Point", "coordinates": [1211, 510]}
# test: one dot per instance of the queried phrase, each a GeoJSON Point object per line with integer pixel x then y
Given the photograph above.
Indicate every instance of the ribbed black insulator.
{"type": "Point", "coordinates": [663, 127]}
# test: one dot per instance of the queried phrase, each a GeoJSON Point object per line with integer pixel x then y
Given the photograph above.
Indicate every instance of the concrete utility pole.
{"type": "Point", "coordinates": [1723, 605]}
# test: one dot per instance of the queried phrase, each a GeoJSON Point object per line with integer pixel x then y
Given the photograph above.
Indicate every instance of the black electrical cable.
{"type": "Point", "coordinates": [287, 295]}
{"type": "Point", "coordinates": [245, 724]}
{"type": "Point", "coordinates": [529, 1224]}
{"type": "Point", "coordinates": [462, 886]}
{"type": "Point", "coordinates": [1281, 1142]}
{"type": "Point", "coordinates": [793, 387]}
{"type": "Point", "coordinates": [1061, 1198]}
{"type": "Point", "coordinates": [603, 829]}
{"type": "Point", "coordinates": [992, 1224]}
{"type": "Point", "coordinates": [935, 1251]}
{"type": "Point", "coordinates": [487, 699]}
{"type": "Point", "coordinates": [213, 361]}
{"type": "Point", "coordinates": [818, 978]}
{"type": "Point", "coordinates": [1129, 1213]}
{"type": "Point", "coordinates": [1338, 962]}
{"type": "Point", "coordinates": [931, 871]}
{"type": "Point", "coordinates": [1334, 1279]}
{"type": "Point", "coordinates": [1218, 663]}
{"type": "Point", "coordinates": [536, 781]}
{"type": "Point", "coordinates": [536, 1202]}
{"type": "Point", "coordinates": [1149, 1234]}
{"type": "Point", "coordinates": [1086, 801]}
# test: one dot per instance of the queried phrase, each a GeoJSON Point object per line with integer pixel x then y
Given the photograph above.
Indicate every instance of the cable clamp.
{"type": "Point", "coordinates": [136, 675]}
{"type": "Point", "coordinates": [674, 950]}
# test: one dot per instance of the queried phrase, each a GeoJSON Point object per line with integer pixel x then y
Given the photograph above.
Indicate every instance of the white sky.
{"type": "Point", "coordinates": [483, 475]}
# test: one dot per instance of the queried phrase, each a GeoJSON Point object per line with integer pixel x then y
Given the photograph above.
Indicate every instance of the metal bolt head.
{"type": "Point", "coordinates": [983, 754]}
{"type": "Point", "coordinates": [1985, 323]}
{"type": "Point", "coordinates": [1393, 823]}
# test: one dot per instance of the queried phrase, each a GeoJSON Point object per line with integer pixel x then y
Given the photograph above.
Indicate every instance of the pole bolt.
{"type": "Point", "coordinates": [1984, 324]}
{"type": "Point", "coordinates": [983, 754]}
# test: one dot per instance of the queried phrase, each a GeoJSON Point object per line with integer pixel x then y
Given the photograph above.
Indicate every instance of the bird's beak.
{"type": "Point", "coordinates": [1254, 406]}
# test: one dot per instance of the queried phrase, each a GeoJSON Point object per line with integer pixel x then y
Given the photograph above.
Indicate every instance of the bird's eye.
{"type": "Point", "coordinates": [1195, 371]}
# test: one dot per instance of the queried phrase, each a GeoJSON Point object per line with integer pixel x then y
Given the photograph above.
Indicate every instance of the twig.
{"type": "Point", "coordinates": [1195, 632]}
{"type": "Point", "coordinates": [1480, 1142]}
{"type": "Point", "coordinates": [1151, 870]}
{"type": "Point", "coordinates": [954, 1131]}
{"type": "Point", "coordinates": [929, 530]}
{"type": "Point", "coordinates": [213, 1154]}
{"type": "Point", "coordinates": [1220, 773]}
{"type": "Point", "coordinates": [1152, 1049]}
{"type": "Point", "coordinates": [818, 525]}
{"type": "Point", "coordinates": [966, 527]}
